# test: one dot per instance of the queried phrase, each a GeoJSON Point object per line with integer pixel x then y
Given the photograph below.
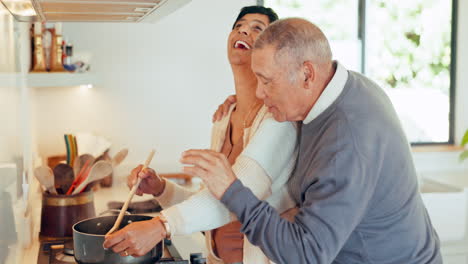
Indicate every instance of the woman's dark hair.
{"type": "Point", "coordinates": [272, 16]}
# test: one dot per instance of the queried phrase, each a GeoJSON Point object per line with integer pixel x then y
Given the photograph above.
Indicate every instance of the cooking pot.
{"type": "Point", "coordinates": [88, 237]}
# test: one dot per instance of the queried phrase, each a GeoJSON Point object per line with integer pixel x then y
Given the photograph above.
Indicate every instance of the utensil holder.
{"type": "Point", "coordinates": [60, 212]}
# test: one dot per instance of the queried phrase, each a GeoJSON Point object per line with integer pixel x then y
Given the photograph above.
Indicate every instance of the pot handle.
{"type": "Point", "coordinates": [113, 211]}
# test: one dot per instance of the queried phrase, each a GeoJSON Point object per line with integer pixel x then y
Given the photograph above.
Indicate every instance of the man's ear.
{"type": "Point", "coordinates": [309, 74]}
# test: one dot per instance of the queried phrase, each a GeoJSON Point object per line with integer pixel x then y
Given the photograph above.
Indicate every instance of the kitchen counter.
{"type": "Point", "coordinates": [458, 179]}
{"type": "Point", "coordinates": [185, 244]}
{"type": "Point", "coordinates": [445, 195]}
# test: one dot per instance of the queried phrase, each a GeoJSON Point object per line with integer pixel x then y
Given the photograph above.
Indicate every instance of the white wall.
{"type": "Point", "coordinates": [7, 43]}
{"type": "Point", "coordinates": [9, 96]}
{"type": "Point", "coordinates": [9, 141]}
{"type": "Point", "coordinates": [160, 84]}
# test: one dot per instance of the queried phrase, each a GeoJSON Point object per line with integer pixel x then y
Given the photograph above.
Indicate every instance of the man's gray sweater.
{"type": "Point", "coordinates": [356, 187]}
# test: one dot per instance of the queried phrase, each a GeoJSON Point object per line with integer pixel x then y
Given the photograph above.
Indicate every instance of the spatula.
{"type": "Point", "coordinates": [99, 170]}
{"type": "Point", "coordinates": [130, 196]}
{"type": "Point", "coordinates": [46, 177]}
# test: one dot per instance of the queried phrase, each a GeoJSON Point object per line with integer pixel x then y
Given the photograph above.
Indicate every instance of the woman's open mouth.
{"type": "Point", "coordinates": [242, 45]}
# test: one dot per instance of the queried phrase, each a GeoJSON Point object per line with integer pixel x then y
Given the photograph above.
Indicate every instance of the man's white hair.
{"type": "Point", "coordinates": [296, 40]}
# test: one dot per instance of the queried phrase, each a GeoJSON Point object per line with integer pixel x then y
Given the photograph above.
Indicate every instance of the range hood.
{"type": "Point", "coordinates": [133, 11]}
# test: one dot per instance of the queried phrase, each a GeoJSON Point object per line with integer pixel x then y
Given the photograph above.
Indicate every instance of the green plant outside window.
{"type": "Point", "coordinates": [464, 154]}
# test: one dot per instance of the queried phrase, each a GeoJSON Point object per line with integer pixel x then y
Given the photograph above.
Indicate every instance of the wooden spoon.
{"type": "Point", "coordinates": [130, 196]}
{"type": "Point", "coordinates": [80, 161]}
{"type": "Point", "coordinates": [103, 170]}
{"type": "Point", "coordinates": [46, 177]}
{"type": "Point", "coordinates": [64, 176]}
{"type": "Point", "coordinates": [99, 170]}
{"type": "Point", "coordinates": [119, 157]}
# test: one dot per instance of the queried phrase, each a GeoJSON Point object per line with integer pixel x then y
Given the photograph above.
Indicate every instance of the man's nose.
{"type": "Point", "coordinates": [259, 92]}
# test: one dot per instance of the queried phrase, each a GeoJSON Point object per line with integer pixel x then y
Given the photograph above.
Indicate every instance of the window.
{"type": "Point", "coordinates": [343, 36]}
{"type": "Point", "coordinates": [405, 46]}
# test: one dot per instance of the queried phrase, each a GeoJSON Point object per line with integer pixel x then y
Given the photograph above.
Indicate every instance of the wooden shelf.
{"type": "Point", "coordinates": [38, 80]}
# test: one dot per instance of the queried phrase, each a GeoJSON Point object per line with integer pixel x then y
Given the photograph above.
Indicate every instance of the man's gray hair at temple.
{"type": "Point", "coordinates": [297, 40]}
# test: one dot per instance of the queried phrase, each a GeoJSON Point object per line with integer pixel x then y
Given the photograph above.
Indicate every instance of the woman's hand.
{"type": "Point", "coordinates": [136, 239]}
{"type": "Point", "coordinates": [150, 182]}
{"type": "Point", "coordinates": [223, 108]}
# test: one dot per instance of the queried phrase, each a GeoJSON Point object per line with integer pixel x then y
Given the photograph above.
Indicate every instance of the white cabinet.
{"type": "Point", "coordinates": [446, 199]}
{"type": "Point", "coordinates": [447, 206]}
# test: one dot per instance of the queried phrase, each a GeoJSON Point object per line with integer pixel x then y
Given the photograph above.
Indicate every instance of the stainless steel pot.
{"type": "Point", "coordinates": [88, 237]}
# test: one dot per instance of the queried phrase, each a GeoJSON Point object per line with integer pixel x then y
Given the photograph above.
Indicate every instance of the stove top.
{"type": "Point", "coordinates": [61, 252]}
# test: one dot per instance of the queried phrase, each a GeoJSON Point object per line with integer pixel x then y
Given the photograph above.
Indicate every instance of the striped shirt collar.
{"type": "Point", "coordinates": [330, 94]}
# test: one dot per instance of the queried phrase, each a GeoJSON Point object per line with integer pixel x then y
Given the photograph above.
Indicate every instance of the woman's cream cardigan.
{"type": "Point", "coordinates": [264, 166]}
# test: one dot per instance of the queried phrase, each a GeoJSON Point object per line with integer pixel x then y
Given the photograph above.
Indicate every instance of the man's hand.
{"type": "Point", "coordinates": [212, 167]}
{"type": "Point", "coordinates": [150, 182]}
{"type": "Point", "coordinates": [223, 108]}
{"type": "Point", "coordinates": [136, 239]}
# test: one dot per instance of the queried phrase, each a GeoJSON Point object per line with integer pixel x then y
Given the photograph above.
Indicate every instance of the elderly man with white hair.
{"type": "Point", "coordinates": [354, 182]}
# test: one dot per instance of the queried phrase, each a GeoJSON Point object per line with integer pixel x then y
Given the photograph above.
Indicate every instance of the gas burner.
{"type": "Point", "coordinates": [61, 252]}
{"type": "Point", "coordinates": [64, 258]}
{"type": "Point", "coordinates": [64, 253]}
